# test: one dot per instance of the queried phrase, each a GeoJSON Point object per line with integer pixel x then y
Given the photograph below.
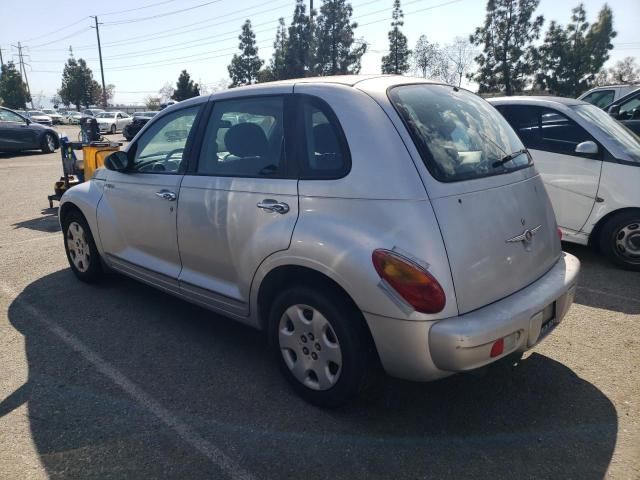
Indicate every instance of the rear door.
{"type": "Point", "coordinates": [571, 179]}
{"type": "Point", "coordinates": [239, 202]}
{"type": "Point", "coordinates": [137, 213]}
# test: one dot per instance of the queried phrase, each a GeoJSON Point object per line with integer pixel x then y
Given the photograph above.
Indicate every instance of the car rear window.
{"type": "Point", "coordinates": [458, 134]}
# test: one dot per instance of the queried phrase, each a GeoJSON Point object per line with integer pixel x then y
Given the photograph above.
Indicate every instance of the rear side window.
{"type": "Point", "coordinates": [630, 110]}
{"type": "Point", "coordinates": [458, 134]}
{"type": "Point", "coordinates": [325, 154]}
{"type": "Point", "coordinates": [245, 138]}
{"type": "Point", "coordinates": [601, 98]}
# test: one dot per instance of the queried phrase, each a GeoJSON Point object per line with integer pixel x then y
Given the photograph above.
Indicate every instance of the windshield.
{"type": "Point", "coordinates": [458, 134]}
{"type": "Point", "coordinates": [622, 142]}
{"type": "Point", "coordinates": [49, 111]}
{"type": "Point", "coordinates": [105, 115]}
{"type": "Point", "coordinates": [35, 112]}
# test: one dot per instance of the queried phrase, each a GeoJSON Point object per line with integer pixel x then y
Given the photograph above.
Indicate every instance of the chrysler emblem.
{"type": "Point", "coordinates": [525, 236]}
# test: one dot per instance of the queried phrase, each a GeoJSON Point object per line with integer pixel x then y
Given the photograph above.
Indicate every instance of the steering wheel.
{"type": "Point", "coordinates": [164, 163]}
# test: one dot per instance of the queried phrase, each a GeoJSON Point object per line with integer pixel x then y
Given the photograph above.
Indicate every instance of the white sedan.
{"type": "Point", "coordinates": [110, 122]}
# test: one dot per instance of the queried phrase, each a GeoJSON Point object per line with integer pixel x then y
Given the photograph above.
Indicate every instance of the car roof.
{"type": "Point", "coordinates": [536, 100]}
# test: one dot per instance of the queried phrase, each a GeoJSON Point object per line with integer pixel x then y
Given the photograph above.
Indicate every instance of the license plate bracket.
{"type": "Point", "coordinates": [549, 320]}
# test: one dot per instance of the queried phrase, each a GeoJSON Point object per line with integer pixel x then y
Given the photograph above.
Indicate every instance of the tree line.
{"type": "Point", "coordinates": [505, 55]}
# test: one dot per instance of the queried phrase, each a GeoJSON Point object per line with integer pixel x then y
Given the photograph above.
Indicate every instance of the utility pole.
{"type": "Point", "coordinates": [104, 87]}
{"type": "Point", "coordinates": [1, 61]}
{"type": "Point", "coordinates": [23, 70]}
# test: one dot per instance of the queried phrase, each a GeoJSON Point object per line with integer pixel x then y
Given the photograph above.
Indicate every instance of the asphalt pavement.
{"type": "Point", "coordinates": [121, 381]}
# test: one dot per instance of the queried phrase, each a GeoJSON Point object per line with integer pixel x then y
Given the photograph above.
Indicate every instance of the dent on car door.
{"type": "Point", "coordinates": [571, 179]}
{"type": "Point", "coordinates": [137, 213]}
{"type": "Point", "coordinates": [240, 204]}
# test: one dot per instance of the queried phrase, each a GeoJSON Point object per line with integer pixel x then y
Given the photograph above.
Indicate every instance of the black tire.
{"type": "Point", "coordinates": [113, 130]}
{"type": "Point", "coordinates": [358, 357]}
{"type": "Point", "coordinates": [48, 144]}
{"type": "Point", "coordinates": [619, 240]}
{"type": "Point", "coordinates": [90, 271]}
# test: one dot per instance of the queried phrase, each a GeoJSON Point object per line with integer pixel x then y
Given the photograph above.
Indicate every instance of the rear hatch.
{"type": "Point", "coordinates": [493, 211]}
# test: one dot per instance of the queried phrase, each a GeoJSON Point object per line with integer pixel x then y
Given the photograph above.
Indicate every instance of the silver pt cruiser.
{"type": "Point", "coordinates": [355, 219]}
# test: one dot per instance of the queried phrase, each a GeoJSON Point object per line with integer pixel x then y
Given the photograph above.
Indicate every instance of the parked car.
{"type": "Point", "coordinates": [56, 117]}
{"type": "Point", "coordinates": [349, 219]}
{"type": "Point", "coordinates": [18, 132]}
{"type": "Point", "coordinates": [627, 111]}
{"type": "Point", "coordinates": [73, 118]}
{"type": "Point", "coordinates": [110, 122]}
{"type": "Point", "coordinates": [605, 95]}
{"type": "Point", "coordinates": [590, 165]}
{"type": "Point", "coordinates": [39, 116]}
{"type": "Point", "coordinates": [140, 119]}
{"type": "Point", "coordinates": [92, 112]}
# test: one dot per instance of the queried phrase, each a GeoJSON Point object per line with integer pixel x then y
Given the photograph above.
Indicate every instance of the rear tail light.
{"type": "Point", "coordinates": [412, 282]}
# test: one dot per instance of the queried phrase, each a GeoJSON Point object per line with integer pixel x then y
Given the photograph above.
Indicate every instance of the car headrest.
{"type": "Point", "coordinates": [324, 139]}
{"type": "Point", "coordinates": [246, 140]}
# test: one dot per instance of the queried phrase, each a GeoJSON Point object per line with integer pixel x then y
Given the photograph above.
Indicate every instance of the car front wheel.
{"type": "Point", "coordinates": [113, 129]}
{"type": "Point", "coordinates": [80, 247]}
{"type": "Point", "coordinates": [320, 345]}
{"type": "Point", "coordinates": [48, 143]}
{"type": "Point", "coordinates": [620, 240]}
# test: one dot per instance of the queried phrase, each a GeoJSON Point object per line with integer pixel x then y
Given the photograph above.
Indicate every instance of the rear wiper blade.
{"type": "Point", "coordinates": [508, 158]}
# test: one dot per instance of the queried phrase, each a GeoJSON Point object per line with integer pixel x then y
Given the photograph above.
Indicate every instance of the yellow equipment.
{"type": "Point", "coordinates": [94, 155]}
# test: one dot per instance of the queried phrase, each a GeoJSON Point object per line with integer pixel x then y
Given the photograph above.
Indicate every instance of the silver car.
{"type": "Point", "coordinates": [357, 220]}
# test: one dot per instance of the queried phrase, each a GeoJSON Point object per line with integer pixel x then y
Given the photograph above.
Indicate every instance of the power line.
{"type": "Point", "coordinates": [160, 15]}
{"type": "Point", "coordinates": [62, 38]}
{"type": "Point", "coordinates": [136, 9]}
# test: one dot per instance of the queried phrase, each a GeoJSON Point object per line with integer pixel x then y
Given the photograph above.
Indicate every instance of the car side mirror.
{"type": "Point", "coordinates": [117, 161]}
{"type": "Point", "coordinates": [587, 148]}
{"type": "Point", "coordinates": [614, 110]}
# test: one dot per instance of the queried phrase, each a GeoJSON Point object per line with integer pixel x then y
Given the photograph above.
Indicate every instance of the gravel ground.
{"type": "Point", "coordinates": [122, 381]}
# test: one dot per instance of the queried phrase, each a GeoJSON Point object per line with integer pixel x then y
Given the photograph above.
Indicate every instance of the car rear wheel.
{"type": "Point", "coordinates": [320, 345]}
{"type": "Point", "coordinates": [48, 143]}
{"type": "Point", "coordinates": [80, 247]}
{"type": "Point", "coordinates": [620, 240]}
{"type": "Point", "coordinates": [113, 129]}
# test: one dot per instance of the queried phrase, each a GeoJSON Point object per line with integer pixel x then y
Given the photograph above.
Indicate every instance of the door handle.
{"type": "Point", "coordinates": [166, 195]}
{"type": "Point", "coordinates": [273, 206]}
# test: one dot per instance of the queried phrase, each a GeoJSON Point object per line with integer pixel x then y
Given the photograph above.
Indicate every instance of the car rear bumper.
{"type": "Point", "coordinates": [429, 350]}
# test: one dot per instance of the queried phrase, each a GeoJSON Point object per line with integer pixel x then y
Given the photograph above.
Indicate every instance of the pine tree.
{"type": "Point", "coordinates": [570, 58]}
{"type": "Point", "coordinates": [507, 39]}
{"type": "Point", "coordinates": [299, 52]}
{"type": "Point", "coordinates": [397, 61]}
{"type": "Point", "coordinates": [13, 91]}
{"type": "Point", "coordinates": [335, 53]}
{"type": "Point", "coordinates": [78, 86]}
{"type": "Point", "coordinates": [185, 88]}
{"type": "Point", "coordinates": [278, 64]}
{"type": "Point", "coordinates": [244, 68]}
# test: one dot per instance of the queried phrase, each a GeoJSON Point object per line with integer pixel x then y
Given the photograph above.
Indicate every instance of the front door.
{"type": "Point", "coordinates": [240, 204]}
{"type": "Point", "coordinates": [15, 133]}
{"type": "Point", "coordinates": [137, 213]}
{"type": "Point", "coordinates": [571, 180]}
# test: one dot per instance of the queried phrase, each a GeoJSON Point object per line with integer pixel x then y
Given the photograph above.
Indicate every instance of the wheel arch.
{"type": "Point", "coordinates": [595, 233]}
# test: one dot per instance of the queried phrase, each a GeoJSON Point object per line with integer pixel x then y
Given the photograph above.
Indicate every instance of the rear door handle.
{"type": "Point", "coordinates": [166, 195]}
{"type": "Point", "coordinates": [273, 206]}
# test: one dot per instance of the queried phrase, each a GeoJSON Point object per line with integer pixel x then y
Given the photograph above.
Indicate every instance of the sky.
{"type": "Point", "coordinates": [146, 43]}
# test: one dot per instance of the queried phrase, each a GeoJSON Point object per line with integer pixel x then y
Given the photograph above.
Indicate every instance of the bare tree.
{"type": "Point", "coordinates": [460, 57]}
{"type": "Point", "coordinates": [425, 58]}
{"type": "Point", "coordinates": [166, 92]}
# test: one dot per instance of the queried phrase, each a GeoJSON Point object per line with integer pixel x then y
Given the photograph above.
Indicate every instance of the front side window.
{"type": "Point", "coordinates": [458, 134]}
{"type": "Point", "coordinates": [560, 134]}
{"type": "Point", "coordinates": [621, 142]}
{"type": "Point", "coordinates": [161, 147]}
{"type": "Point", "coordinates": [327, 155]}
{"type": "Point", "coordinates": [601, 98]}
{"type": "Point", "coordinates": [630, 110]}
{"type": "Point", "coordinates": [7, 116]}
{"type": "Point", "coordinates": [245, 138]}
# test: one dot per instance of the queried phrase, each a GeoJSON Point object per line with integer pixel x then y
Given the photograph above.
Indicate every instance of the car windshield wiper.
{"type": "Point", "coordinates": [508, 158]}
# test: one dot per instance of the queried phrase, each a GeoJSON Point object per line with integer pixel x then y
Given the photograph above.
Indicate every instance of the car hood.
{"type": "Point", "coordinates": [105, 120]}
{"type": "Point", "coordinates": [40, 117]}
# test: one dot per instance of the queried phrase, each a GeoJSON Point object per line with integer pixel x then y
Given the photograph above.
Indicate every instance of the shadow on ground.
{"type": "Point", "coordinates": [534, 420]}
{"type": "Point", "coordinates": [603, 285]}
{"type": "Point", "coordinates": [46, 222]}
